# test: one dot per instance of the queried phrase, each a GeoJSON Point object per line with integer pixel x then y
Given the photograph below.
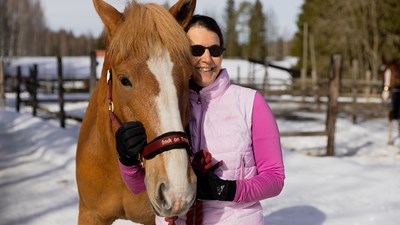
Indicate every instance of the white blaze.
{"type": "Point", "coordinates": [387, 76]}
{"type": "Point", "coordinates": [170, 120]}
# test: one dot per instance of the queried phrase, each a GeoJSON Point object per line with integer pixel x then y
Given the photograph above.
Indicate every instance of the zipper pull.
{"type": "Point", "coordinates": [198, 100]}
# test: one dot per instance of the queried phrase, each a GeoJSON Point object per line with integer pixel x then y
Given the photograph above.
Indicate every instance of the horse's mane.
{"type": "Point", "coordinates": [145, 28]}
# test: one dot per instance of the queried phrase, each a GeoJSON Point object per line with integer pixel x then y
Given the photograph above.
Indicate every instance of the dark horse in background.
{"type": "Point", "coordinates": [391, 90]}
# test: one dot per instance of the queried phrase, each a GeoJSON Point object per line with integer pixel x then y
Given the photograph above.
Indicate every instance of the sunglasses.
{"type": "Point", "coordinates": [215, 50]}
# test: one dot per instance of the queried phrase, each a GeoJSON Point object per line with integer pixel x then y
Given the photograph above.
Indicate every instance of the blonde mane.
{"type": "Point", "coordinates": [147, 27]}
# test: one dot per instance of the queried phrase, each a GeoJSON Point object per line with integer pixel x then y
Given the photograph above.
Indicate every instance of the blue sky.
{"type": "Point", "coordinates": [80, 16]}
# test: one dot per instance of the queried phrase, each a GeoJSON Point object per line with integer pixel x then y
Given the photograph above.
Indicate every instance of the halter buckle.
{"type": "Point", "coordinates": [111, 106]}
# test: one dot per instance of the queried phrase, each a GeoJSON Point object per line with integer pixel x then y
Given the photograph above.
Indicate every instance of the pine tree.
{"type": "Point", "coordinates": [389, 24]}
{"type": "Point", "coordinates": [367, 30]}
{"type": "Point", "coordinates": [231, 34]}
{"type": "Point", "coordinates": [257, 46]}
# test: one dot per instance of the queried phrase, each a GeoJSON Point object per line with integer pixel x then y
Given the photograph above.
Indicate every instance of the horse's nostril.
{"type": "Point", "coordinates": [162, 188]}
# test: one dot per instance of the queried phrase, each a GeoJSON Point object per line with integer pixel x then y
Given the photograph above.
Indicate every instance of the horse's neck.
{"type": "Point", "coordinates": [395, 81]}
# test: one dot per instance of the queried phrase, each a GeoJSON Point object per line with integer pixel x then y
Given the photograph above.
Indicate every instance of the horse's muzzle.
{"type": "Point", "coordinates": [170, 183]}
{"type": "Point", "coordinates": [173, 204]}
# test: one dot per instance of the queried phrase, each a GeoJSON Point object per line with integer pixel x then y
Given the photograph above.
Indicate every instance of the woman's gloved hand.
{"type": "Point", "coordinates": [209, 185]}
{"type": "Point", "coordinates": [130, 139]}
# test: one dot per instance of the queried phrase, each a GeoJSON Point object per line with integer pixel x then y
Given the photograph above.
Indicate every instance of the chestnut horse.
{"type": "Point", "coordinates": [145, 77]}
{"type": "Point", "coordinates": [391, 89]}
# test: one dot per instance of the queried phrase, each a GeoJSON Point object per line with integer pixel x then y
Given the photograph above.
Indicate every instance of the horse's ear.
{"type": "Point", "coordinates": [183, 11]}
{"type": "Point", "coordinates": [108, 14]}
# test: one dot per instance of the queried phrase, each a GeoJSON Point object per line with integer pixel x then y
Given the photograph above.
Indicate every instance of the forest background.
{"type": "Point", "coordinates": [365, 31]}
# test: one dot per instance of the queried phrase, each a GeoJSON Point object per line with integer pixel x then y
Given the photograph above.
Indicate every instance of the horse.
{"type": "Point", "coordinates": [145, 77]}
{"type": "Point", "coordinates": [391, 89]}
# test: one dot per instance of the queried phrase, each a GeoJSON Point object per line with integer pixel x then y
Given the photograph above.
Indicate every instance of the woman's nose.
{"type": "Point", "coordinates": [206, 56]}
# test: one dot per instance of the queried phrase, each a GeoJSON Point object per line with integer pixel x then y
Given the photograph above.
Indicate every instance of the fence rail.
{"type": "Point", "coordinates": [33, 85]}
{"type": "Point", "coordinates": [353, 96]}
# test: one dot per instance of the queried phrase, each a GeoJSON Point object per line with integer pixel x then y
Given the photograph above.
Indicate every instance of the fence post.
{"type": "Point", "coordinates": [334, 85]}
{"type": "Point", "coordinates": [238, 74]}
{"type": "Point", "coordinates": [314, 78]}
{"type": "Point", "coordinates": [354, 90]}
{"type": "Point", "coordinates": [251, 75]}
{"type": "Point", "coordinates": [303, 75]}
{"type": "Point", "coordinates": [367, 90]}
{"type": "Point", "coordinates": [265, 81]}
{"type": "Point", "coordinates": [18, 89]}
{"type": "Point", "coordinates": [34, 86]}
{"type": "Point", "coordinates": [93, 72]}
{"type": "Point", "coordinates": [60, 91]}
{"type": "Point", "coordinates": [2, 83]}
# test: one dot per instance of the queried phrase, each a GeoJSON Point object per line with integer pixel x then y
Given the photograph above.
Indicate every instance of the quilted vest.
{"type": "Point", "coordinates": [220, 121]}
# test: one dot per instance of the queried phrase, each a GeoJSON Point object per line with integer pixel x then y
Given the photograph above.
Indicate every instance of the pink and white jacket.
{"type": "Point", "coordinates": [235, 125]}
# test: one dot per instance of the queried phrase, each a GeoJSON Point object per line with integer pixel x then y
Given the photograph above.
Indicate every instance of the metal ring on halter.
{"type": "Point", "coordinates": [108, 76]}
{"type": "Point", "coordinates": [386, 88]}
{"type": "Point", "coordinates": [111, 106]}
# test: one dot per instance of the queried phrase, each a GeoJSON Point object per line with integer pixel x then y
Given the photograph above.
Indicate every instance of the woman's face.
{"type": "Point", "coordinates": [206, 66]}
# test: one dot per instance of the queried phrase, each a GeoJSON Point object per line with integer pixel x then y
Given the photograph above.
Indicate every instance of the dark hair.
{"type": "Point", "coordinates": [208, 23]}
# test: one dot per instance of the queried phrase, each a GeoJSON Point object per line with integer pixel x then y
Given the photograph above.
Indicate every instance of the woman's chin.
{"type": "Point", "coordinates": [206, 78]}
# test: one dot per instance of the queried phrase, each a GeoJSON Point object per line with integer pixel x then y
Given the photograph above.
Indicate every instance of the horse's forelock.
{"type": "Point", "coordinates": [145, 27]}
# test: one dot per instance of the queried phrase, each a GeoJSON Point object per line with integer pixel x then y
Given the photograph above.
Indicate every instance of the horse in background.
{"type": "Point", "coordinates": [145, 77]}
{"type": "Point", "coordinates": [391, 90]}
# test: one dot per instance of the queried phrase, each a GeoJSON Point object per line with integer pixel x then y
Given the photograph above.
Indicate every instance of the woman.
{"type": "Point", "coordinates": [231, 127]}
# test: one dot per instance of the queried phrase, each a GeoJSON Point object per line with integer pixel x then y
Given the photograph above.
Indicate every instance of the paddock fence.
{"type": "Point", "coordinates": [356, 96]}
{"type": "Point", "coordinates": [60, 88]}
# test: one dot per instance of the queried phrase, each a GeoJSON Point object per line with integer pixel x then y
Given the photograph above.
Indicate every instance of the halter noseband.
{"type": "Point", "coordinates": [165, 142]}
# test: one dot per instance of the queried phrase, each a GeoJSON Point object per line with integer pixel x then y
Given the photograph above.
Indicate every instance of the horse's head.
{"type": "Point", "coordinates": [148, 55]}
{"type": "Point", "coordinates": [390, 77]}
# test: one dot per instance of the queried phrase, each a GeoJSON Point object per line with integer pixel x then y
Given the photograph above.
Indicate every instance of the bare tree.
{"type": "Point", "coordinates": [23, 32]}
{"type": "Point", "coordinates": [364, 33]}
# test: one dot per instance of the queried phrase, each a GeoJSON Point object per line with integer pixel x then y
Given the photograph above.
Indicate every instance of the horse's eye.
{"type": "Point", "coordinates": [125, 81]}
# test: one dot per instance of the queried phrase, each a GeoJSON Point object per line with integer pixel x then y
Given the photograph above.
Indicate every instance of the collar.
{"type": "Point", "coordinates": [214, 90]}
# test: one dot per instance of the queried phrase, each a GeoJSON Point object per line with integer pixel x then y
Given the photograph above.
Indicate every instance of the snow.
{"type": "Point", "coordinates": [357, 186]}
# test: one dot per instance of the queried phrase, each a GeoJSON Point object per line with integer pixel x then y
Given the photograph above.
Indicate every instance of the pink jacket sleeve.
{"type": "Point", "coordinates": [268, 156]}
{"type": "Point", "coordinates": [133, 177]}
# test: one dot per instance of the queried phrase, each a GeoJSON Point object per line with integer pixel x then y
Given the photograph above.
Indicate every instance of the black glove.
{"type": "Point", "coordinates": [211, 187]}
{"type": "Point", "coordinates": [130, 139]}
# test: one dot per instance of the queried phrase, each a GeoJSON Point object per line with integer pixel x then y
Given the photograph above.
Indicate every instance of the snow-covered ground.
{"type": "Point", "coordinates": [359, 186]}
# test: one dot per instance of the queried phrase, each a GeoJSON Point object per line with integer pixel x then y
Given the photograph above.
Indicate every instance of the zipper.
{"type": "Point", "coordinates": [201, 121]}
{"type": "Point", "coordinates": [198, 99]}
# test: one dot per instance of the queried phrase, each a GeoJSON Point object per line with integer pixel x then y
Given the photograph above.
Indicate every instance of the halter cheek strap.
{"type": "Point", "coordinates": [113, 117]}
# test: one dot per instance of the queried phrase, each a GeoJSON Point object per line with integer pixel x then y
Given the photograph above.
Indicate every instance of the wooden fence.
{"type": "Point", "coordinates": [32, 84]}
{"type": "Point", "coordinates": [325, 93]}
